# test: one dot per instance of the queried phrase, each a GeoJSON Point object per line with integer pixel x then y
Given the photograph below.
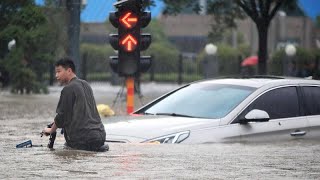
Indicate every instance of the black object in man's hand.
{"type": "Point", "coordinates": [52, 137]}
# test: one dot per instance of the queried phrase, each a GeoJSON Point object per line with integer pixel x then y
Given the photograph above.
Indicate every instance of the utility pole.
{"type": "Point", "coordinates": [73, 8]}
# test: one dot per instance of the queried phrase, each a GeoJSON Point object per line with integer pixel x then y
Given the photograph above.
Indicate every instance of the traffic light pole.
{"type": "Point", "coordinates": [130, 94]}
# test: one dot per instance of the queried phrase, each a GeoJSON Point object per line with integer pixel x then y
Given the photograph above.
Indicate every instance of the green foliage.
{"type": "Point", "coordinates": [229, 59]}
{"type": "Point", "coordinates": [302, 61]}
{"type": "Point", "coordinates": [23, 78]}
{"type": "Point", "coordinates": [275, 63]}
{"type": "Point", "coordinates": [304, 56]}
{"type": "Point", "coordinates": [99, 76]}
{"type": "Point", "coordinates": [23, 81]}
{"type": "Point", "coordinates": [191, 77]}
{"type": "Point", "coordinates": [172, 77]}
{"type": "Point", "coordinates": [27, 63]}
{"type": "Point", "coordinates": [9, 7]}
{"type": "Point", "coordinates": [165, 57]}
{"type": "Point", "coordinates": [292, 8]}
{"type": "Point", "coordinates": [318, 21]}
{"type": "Point", "coordinates": [159, 77]}
{"type": "Point", "coordinates": [13, 61]}
{"type": "Point", "coordinates": [174, 7]}
{"type": "Point", "coordinates": [56, 31]}
{"type": "Point", "coordinates": [244, 50]}
{"type": "Point", "coordinates": [316, 53]}
{"type": "Point", "coordinates": [225, 12]}
{"type": "Point", "coordinates": [228, 34]}
{"type": "Point", "coordinates": [156, 30]}
{"type": "Point", "coordinates": [97, 57]}
{"type": "Point", "coordinates": [29, 17]}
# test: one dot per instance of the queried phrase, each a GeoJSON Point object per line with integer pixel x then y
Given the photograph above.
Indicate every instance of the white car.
{"type": "Point", "coordinates": [226, 110]}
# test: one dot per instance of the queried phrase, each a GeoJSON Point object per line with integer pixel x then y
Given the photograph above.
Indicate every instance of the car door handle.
{"type": "Point", "coordinates": [298, 133]}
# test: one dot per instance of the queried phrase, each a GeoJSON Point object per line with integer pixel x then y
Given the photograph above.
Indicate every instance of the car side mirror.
{"type": "Point", "coordinates": [255, 115]}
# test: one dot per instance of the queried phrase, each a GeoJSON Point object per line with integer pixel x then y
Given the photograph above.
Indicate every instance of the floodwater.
{"type": "Point", "coordinates": [23, 117]}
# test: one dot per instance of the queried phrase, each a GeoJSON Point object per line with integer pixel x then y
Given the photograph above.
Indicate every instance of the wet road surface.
{"type": "Point", "coordinates": [23, 117]}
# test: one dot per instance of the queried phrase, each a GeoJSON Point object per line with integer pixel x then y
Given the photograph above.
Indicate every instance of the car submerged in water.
{"type": "Point", "coordinates": [226, 110]}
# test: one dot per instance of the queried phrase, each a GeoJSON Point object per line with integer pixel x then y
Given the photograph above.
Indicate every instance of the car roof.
{"type": "Point", "coordinates": [259, 81]}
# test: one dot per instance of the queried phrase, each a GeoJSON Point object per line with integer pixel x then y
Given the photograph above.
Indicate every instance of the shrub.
{"type": "Point", "coordinates": [99, 76]}
{"type": "Point", "coordinates": [97, 57]}
{"type": "Point", "coordinates": [298, 65]}
{"type": "Point", "coordinates": [165, 57]}
{"type": "Point", "coordinates": [228, 59]}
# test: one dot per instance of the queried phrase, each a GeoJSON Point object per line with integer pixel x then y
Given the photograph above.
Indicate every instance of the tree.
{"type": "Point", "coordinates": [28, 61]}
{"type": "Point", "coordinates": [226, 11]}
{"type": "Point", "coordinates": [7, 10]}
{"type": "Point", "coordinates": [318, 21]}
{"type": "Point", "coordinates": [261, 13]}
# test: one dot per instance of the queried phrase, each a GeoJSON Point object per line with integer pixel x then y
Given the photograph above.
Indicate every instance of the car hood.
{"type": "Point", "coordinates": [141, 128]}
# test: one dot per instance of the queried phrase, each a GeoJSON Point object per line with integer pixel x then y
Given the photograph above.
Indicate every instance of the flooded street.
{"type": "Point", "coordinates": [23, 117]}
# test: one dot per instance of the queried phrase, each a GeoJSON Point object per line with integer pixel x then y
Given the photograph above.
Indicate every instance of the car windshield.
{"type": "Point", "coordinates": [201, 100]}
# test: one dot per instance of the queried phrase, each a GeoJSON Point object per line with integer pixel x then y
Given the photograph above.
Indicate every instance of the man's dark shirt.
{"type": "Point", "coordinates": [77, 114]}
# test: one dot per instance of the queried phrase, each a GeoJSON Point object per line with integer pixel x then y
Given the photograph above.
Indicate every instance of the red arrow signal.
{"type": "Point", "coordinates": [129, 20]}
{"type": "Point", "coordinates": [129, 43]}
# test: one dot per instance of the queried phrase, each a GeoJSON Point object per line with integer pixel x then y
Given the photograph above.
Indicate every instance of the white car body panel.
{"type": "Point", "coordinates": [314, 129]}
{"type": "Point", "coordinates": [140, 129]}
{"type": "Point", "coordinates": [273, 130]}
{"type": "Point", "coordinates": [148, 127]}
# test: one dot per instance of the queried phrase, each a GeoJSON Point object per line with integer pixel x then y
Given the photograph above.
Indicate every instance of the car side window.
{"type": "Point", "coordinates": [278, 103]}
{"type": "Point", "coordinates": [311, 100]}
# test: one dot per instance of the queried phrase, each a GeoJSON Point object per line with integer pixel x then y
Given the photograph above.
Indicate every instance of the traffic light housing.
{"type": "Point", "coordinates": [129, 19]}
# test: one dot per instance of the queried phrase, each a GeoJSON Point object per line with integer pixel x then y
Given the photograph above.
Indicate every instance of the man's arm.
{"type": "Point", "coordinates": [47, 131]}
{"type": "Point", "coordinates": [65, 106]}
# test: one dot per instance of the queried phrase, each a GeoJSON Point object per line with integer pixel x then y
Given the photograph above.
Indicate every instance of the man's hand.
{"type": "Point", "coordinates": [49, 130]}
{"type": "Point", "coordinates": [46, 131]}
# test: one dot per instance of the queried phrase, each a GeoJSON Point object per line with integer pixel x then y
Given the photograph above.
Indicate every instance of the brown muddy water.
{"type": "Point", "coordinates": [23, 117]}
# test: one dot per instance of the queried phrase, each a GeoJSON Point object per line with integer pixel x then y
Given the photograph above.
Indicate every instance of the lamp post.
{"type": "Point", "coordinates": [4, 75]}
{"type": "Point", "coordinates": [211, 62]}
{"type": "Point", "coordinates": [290, 51]}
{"type": "Point", "coordinates": [282, 26]}
{"type": "Point", "coordinates": [11, 44]}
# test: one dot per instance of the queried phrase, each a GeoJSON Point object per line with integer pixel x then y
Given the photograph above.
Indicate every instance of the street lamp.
{"type": "Point", "coordinates": [4, 75]}
{"type": "Point", "coordinates": [11, 44]}
{"type": "Point", "coordinates": [282, 26]}
{"type": "Point", "coordinates": [211, 49]}
{"type": "Point", "coordinates": [211, 62]}
{"type": "Point", "coordinates": [290, 51]}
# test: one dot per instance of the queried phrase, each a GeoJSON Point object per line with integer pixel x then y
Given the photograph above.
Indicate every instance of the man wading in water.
{"type": "Point", "coordinates": [76, 112]}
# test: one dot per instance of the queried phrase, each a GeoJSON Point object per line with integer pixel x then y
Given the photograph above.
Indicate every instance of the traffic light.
{"type": "Point", "coordinates": [129, 19]}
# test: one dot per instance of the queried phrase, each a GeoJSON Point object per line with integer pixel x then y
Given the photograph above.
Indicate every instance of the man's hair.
{"type": "Point", "coordinates": [66, 63]}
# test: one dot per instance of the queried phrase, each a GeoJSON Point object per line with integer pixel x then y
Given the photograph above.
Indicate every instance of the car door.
{"type": "Point", "coordinates": [283, 106]}
{"type": "Point", "coordinates": [311, 100]}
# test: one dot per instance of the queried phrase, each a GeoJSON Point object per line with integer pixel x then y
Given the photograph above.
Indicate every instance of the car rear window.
{"type": "Point", "coordinates": [311, 100]}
